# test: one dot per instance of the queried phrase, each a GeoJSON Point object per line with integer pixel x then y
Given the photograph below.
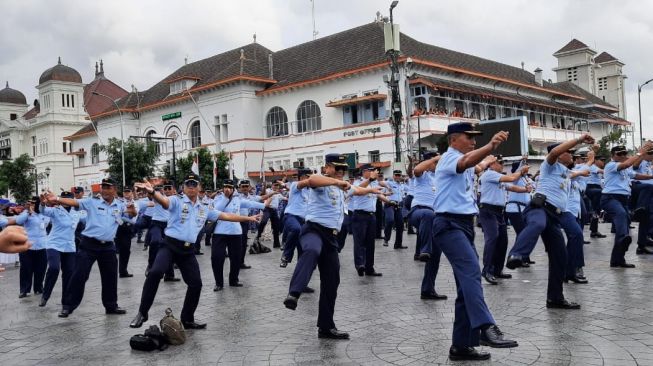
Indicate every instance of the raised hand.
{"type": "Point", "coordinates": [13, 239]}
{"type": "Point", "coordinates": [586, 138]}
{"type": "Point", "coordinates": [147, 186]}
{"type": "Point", "coordinates": [256, 218]}
{"type": "Point", "coordinates": [489, 160]}
{"type": "Point", "coordinates": [499, 138]}
{"type": "Point", "coordinates": [344, 185]}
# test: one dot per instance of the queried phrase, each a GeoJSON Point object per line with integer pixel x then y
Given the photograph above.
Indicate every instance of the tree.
{"type": "Point", "coordinates": [608, 141]}
{"type": "Point", "coordinates": [205, 164]}
{"type": "Point", "coordinates": [19, 177]}
{"type": "Point", "coordinates": [140, 159]}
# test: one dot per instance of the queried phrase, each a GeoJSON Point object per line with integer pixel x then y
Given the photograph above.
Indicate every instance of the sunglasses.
{"type": "Point", "coordinates": [167, 188]}
{"type": "Point", "coordinates": [106, 186]}
{"type": "Point", "coordinates": [621, 153]}
{"type": "Point", "coordinates": [340, 168]}
{"type": "Point", "coordinates": [191, 183]}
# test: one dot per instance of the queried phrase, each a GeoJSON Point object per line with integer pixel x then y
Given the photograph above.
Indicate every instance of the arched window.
{"type": "Point", "coordinates": [309, 117]}
{"type": "Point", "coordinates": [95, 154]}
{"type": "Point", "coordinates": [195, 135]}
{"type": "Point", "coordinates": [150, 140]}
{"type": "Point", "coordinates": [276, 122]}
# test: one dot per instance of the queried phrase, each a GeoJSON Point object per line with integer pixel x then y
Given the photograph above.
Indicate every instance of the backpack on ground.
{"type": "Point", "coordinates": [148, 342]}
{"type": "Point", "coordinates": [173, 329]}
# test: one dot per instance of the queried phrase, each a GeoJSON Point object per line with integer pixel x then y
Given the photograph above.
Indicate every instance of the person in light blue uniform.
{"type": "Point", "coordinates": [543, 218]}
{"type": "Point", "coordinates": [517, 202]}
{"type": "Point", "coordinates": [408, 199]}
{"type": "Point", "coordinates": [453, 231]}
{"type": "Point", "coordinates": [228, 235]}
{"type": "Point", "coordinates": [104, 215]}
{"type": "Point", "coordinates": [244, 188]}
{"type": "Point", "coordinates": [392, 211]}
{"type": "Point", "coordinates": [60, 247]}
{"type": "Point", "coordinates": [318, 240]}
{"type": "Point", "coordinates": [145, 208]}
{"type": "Point", "coordinates": [421, 216]}
{"type": "Point", "coordinates": [81, 225]}
{"type": "Point", "coordinates": [187, 217]}
{"type": "Point", "coordinates": [294, 215]}
{"type": "Point", "coordinates": [34, 261]}
{"type": "Point", "coordinates": [156, 232]}
{"type": "Point", "coordinates": [570, 222]}
{"type": "Point", "coordinates": [271, 214]}
{"type": "Point", "coordinates": [492, 219]}
{"type": "Point", "coordinates": [593, 192]}
{"type": "Point", "coordinates": [641, 200]}
{"type": "Point", "coordinates": [646, 168]}
{"type": "Point", "coordinates": [124, 236]}
{"type": "Point", "coordinates": [614, 199]}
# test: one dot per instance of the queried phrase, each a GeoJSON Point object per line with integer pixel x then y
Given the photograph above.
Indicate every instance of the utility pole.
{"type": "Point", "coordinates": [393, 51]}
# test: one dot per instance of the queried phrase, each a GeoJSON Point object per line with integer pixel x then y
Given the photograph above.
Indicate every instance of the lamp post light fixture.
{"type": "Point", "coordinates": [122, 138]}
{"type": "Point", "coordinates": [639, 102]}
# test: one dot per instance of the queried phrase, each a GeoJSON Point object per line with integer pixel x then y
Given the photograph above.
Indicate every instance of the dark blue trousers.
{"type": "Point", "coordinates": [219, 245]}
{"type": "Point", "coordinates": [292, 226]}
{"type": "Point", "coordinates": [422, 219]}
{"type": "Point", "coordinates": [616, 205]}
{"type": "Point", "coordinates": [157, 240]}
{"type": "Point", "coordinates": [123, 245]}
{"type": "Point", "coordinates": [572, 228]}
{"type": "Point", "coordinates": [143, 223]}
{"type": "Point", "coordinates": [455, 236]}
{"type": "Point", "coordinates": [58, 261]}
{"type": "Point", "coordinates": [539, 222]}
{"type": "Point", "coordinates": [244, 226]}
{"type": "Point", "coordinates": [394, 219]}
{"type": "Point", "coordinates": [32, 270]}
{"type": "Point", "coordinates": [344, 230]}
{"type": "Point", "coordinates": [495, 233]}
{"type": "Point", "coordinates": [108, 265]}
{"type": "Point", "coordinates": [516, 220]}
{"type": "Point", "coordinates": [190, 273]}
{"type": "Point", "coordinates": [363, 230]}
{"type": "Point", "coordinates": [319, 248]}
{"type": "Point", "coordinates": [270, 214]}
{"type": "Point", "coordinates": [593, 192]}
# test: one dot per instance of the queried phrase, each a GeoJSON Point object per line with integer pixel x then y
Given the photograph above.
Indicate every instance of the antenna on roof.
{"type": "Point", "coordinates": [315, 32]}
{"type": "Point", "coordinates": [242, 60]}
{"type": "Point", "coordinates": [522, 65]}
{"type": "Point", "coordinates": [186, 60]}
{"type": "Point", "coordinates": [270, 67]}
{"type": "Point", "coordinates": [254, 37]}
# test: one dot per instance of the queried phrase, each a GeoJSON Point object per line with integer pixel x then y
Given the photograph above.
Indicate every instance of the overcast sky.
{"type": "Point", "coordinates": [143, 41]}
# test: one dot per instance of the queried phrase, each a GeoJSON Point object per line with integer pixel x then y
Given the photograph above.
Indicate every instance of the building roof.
{"type": "Point", "coordinates": [573, 45]}
{"type": "Point", "coordinates": [588, 97]}
{"type": "Point", "coordinates": [12, 96]}
{"type": "Point", "coordinates": [32, 112]}
{"type": "Point", "coordinates": [604, 57]}
{"type": "Point", "coordinates": [95, 104]}
{"type": "Point", "coordinates": [87, 130]}
{"type": "Point", "coordinates": [60, 72]}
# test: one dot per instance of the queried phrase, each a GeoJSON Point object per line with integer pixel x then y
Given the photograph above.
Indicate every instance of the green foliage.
{"type": "Point", "coordinates": [205, 163]}
{"type": "Point", "coordinates": [140, 159]}
{"type": "Point", "coordinates": [614, 138]}
{"type": "Point", "coordinates": [18, 175]}
{"type": "Point", "coordinates": [531, 151]}
{"type": "Point", "coordinates": [442, 144]}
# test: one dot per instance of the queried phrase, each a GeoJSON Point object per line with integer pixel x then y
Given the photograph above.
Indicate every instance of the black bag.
{"type": "Point", "coordinates": [258, 248]}
{"type": "Point", "coordinates": [151, 340]}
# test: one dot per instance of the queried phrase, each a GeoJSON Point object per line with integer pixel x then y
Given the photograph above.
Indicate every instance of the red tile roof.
{"type": "Point", "coordinates": [573, 45]}
{"type": "Point", "coordinates": [604, 57]}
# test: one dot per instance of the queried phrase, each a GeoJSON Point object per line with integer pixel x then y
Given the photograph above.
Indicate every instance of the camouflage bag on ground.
{"type": "Point", "coordinates": [173, 328]}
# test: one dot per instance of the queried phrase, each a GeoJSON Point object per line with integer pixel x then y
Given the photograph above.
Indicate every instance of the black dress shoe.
{"type": "Point", "coordinates": [332, 334]}
{"type": "Point", "coordinates": [622, 265]}
{"type": "Point", "coordinates": [503, 275]}
{"type": "Point", "coordinates": [528, 260]}
{"type": "Point", "coordinates": [283, 263]}
{"type": "Point", "coordinates": [199, 253]}
{"type": "Point", "coordinates": [643, 250]}
{"type": "Point", "coordinates": [43, 302]}
{"type": "Point", "coordinates": [361, 271]}
{"type": "Point", "coordinates": [244, 266]}
{"type": "Point", "coordinates": [171, 279]}
{"type": "Point", "coordinates": [639, 214]}
{"type": "Point", "coordinates": [237, 284]}
{"type": "Point", "coordinates": [290, 302]}
{"type": "Point", "coordinates": [194, 325]}
{"type": "Point", "coordinates": [597, 235]}
{"type": "Point", "coordinates": [64, 313]}
{"type": "Point", "coordinates": [138, 321]}
{"type": "Point", "coordinates": [467, 354]}
{"type": "Point", "coordinates": [490, 279]}
{"type": "Point", "coordinates": [22, 295]}
{"type": "Point", "coordinates": [586, 242]}
{"type": "Point", "coordinates": [400, 247]}
{"type": "Point", "coordinates": [525, 264]}
{"type": "Point", "coordinates": [145, 247]}
{"type": "Point", "coordinates": [514, 262]}
{"type": "Point", "coordinates": [576, 279]}
{"type": "Point", "coordinates": [432, 296]}
{"type": "Point", "coordinates": [308, 290]}
{"type": "Point", "coordinates": [37, 292]}
{"type": "Point", "coordinates": [116, 311]}
{"type": "Point", "coordinates": [416, 257]}
{"type": "Point", "coordinates": [424, 257]}
{"type": "Point", "coordinates": [564, 304]}
{"type": "Point", "coordinates": [126, 275]}
{"type": "Point", "coordinates": [217, 288]}
{"type": "Point", "coordinates": [492, 336]}
{"type": "Point", "coordinates": [373, 273]}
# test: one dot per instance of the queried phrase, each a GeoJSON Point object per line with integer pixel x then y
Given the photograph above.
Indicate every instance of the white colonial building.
{"type": "Point", "coordinates": [274, 111]}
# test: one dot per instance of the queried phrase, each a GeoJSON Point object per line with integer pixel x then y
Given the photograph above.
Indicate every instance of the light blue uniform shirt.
{"type": "Point", "coordinates": [102, 218]}
{"type": "Point", "coordinates": [455, 193]}
{"type": "Point", "coordinates": [492, 190]}
{"type": "Point", "coordinates": [248, 197]}
{"type": "Point", "coordinates": [274, 203]}
{"type": "Point", "coordinates": [397, 191]}
{"type": "Point", "coordinates": [35, 225]}
{"type": "Point", "coordinates": [365, 202]}
{"type": "Point", "coordinates": [573, 205]}
{"type": "Point", "coordinates": [410, 187]}
{"type": "Point", "coordinates": [3, 221]}
{"type": "Point", "coordinates": [645, 168]}
{"type": "Point", "coordinates": [524, 198]}
{"type": "Point", "coordinates": [595, 177]}
{"type": "Point", "coordinates": [617, 181]}
{"type": "Point", "coordinates": [144, 208]}
{"type": "Point", "coordinates": [554, 184]}
{"type": "Point", "coordinates": [582, 181]}
{"type": "Point", "coordinates": [297, 201]}
{"type": "Point", "coordinates": [327, 206]}
{"type": "Point", "coordinates": [233, 206]}
{"type": "Point", "coordinates": [62, 234]}
{"type": "Point", "coordinates": [159, 213]}
{"type": "Point", "coordinates": [187, 218]}
{"type": "Point", "coordinates": [424, 189]}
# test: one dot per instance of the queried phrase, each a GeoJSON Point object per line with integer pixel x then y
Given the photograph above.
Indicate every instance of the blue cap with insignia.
{"type": "Point", "coordinates": [462, 127]}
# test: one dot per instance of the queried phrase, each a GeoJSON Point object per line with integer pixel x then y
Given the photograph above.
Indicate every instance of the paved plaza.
{"type": "Point", "coordinates": [388, 323]}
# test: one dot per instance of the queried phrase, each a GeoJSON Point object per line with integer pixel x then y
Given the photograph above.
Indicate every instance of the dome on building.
{"type": "Point", "coordinates": [60, 72]}
{"type": "Point", "coordinates": [12, 96]}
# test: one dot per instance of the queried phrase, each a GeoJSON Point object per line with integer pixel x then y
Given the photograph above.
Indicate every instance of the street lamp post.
{"type": "Point", "coordinates": [122, 138]}
{"type": "Point", "coordinates": [174, 154]}
{"type": "Point", "coordinates": [639, 102]}
{"type": "Point", "coordinates": [36, 180]}
{"type": "Point", "coordinates": [47, 176]}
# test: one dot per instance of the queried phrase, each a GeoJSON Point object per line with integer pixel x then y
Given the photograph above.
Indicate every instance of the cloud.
{"type": "Point", "coordinates": [142, 42]}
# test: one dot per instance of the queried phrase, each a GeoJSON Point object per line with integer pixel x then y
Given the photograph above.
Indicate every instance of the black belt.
{"type": "Point", "coordinates": [363, 212]}
{"type": "Point", "coordinates": [96, 241]}
{"type": "Point", "coordinates": [495, 208]}
{"type": "Point", "coordinates": [466, 217]}
{"type": "Point", "coordinates": [552, 209]}
{"type": "Point", "coordinates": [422, 207]}
{"type": "Point", "coordinates": [179, 246]}
{"type": "Point", "coordinates": [594, 185]}
{"type": "Point", "coordinates": [161, 224]}
{"type": "Point", "coordinates": [323, 229]}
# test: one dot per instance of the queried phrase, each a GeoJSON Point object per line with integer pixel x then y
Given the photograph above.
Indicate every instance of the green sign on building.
{"type": "Point", "coordinates": [168, 116]}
